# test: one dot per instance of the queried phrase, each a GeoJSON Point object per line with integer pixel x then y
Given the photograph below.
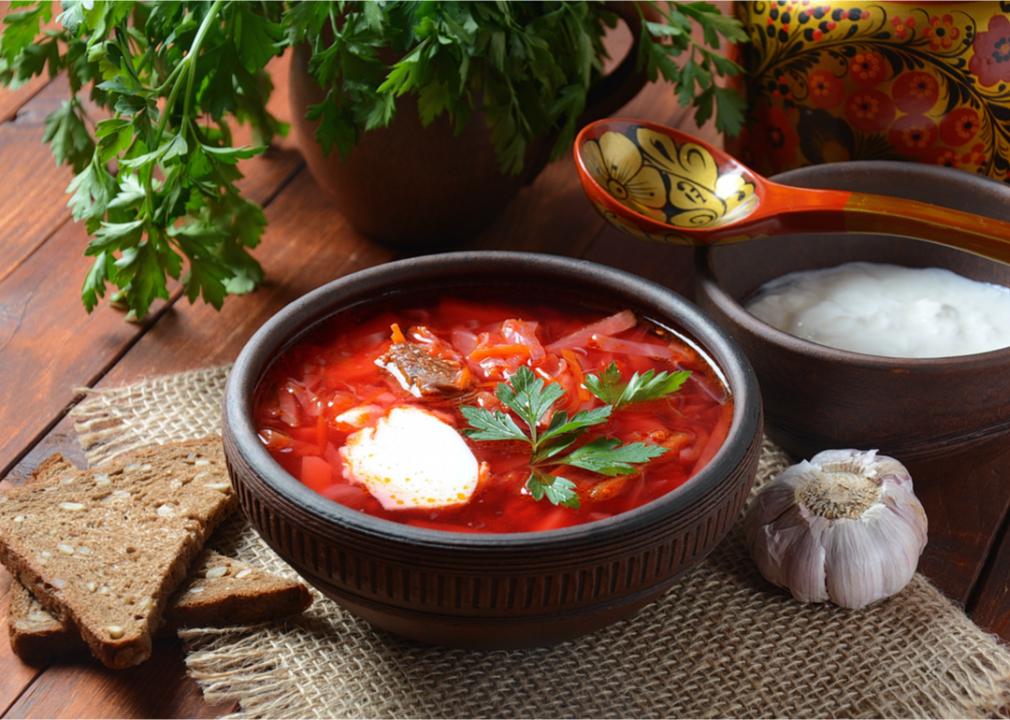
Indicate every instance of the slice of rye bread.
{"type": "Point", "coordinates": [106, 548]}
{"type": "Point", "coordinates": [221, 591]}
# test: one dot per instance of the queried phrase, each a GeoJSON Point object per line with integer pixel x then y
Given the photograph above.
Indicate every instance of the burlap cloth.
{"type": "Point", "coordinates": [722, 642]}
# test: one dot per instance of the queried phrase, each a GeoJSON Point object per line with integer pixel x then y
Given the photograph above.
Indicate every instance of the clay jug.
{"type": "Point", "coordinates": [414, 186]}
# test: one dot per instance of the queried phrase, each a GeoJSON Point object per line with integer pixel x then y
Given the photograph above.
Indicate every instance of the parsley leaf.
{"type": "Point", "coordinates": [68, 136]}
{"type": "Point", "coordinates": [607, 387]}
{"type": "Point", "coordinates": [562, 431]}
{"type": "Point", "coordinates": [694, 77]}
{"type": "Point", "coordinates": [608, 457]}
{"type": "Point", "coordinates": [528, 397]}
{"type": "Point", "coordinates": [21, 28]}
{"type": "Point", "coordinates": [557, 490]}
{"type": "Point", "coordinates": [491, 425]}
{"type": "Point", "coordinates": [610, 387]}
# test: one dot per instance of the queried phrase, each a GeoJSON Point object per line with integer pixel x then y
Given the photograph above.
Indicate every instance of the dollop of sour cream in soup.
{"type": "Point", "coordinates": [882, 309]}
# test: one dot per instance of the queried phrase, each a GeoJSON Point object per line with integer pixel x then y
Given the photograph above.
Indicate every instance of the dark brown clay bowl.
{"type": "Point", "coordinates": [491, 590]}
{"type": "Point", "coordinates": [944, 417]}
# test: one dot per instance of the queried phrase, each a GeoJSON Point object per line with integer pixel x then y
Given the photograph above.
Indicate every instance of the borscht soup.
{"type": "Point", "coordinates": [494, 414]}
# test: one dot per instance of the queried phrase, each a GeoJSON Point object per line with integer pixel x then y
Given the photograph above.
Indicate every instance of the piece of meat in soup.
{"type": "Point", "coordinates": [420, 372]}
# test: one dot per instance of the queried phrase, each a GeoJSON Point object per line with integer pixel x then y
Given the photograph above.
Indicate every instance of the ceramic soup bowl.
{"type": "Point", "coordinates": [492, 590]}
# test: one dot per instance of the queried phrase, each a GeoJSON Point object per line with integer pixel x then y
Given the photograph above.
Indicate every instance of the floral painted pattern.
{"type": "Point", "coordinates": [830, 81]}
{"type": "Point", "coordinates": [616, 164]}
{"type": "Point", "coordinates": [941, 32]}
{"type": "Point", "coordinates": [824, 89]}
{"type": "Point", "coordinates": [991, 61]}
{"type": "Point", "coordinates": [680, 185]}
{"type": "Point", "coordinates": [913, 134]}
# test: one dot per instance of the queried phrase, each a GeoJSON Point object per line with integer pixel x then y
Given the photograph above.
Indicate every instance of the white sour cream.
{"type": "Point", "coordinates": [410, 459]}
{"type": "Point", "coordinates": [888, 310]}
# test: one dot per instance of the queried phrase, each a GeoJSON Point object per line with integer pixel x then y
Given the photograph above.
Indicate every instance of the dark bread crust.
{"type": "Point", "coordinates": [242, 596]}
{"type": "Point", "coordinates": [38, 640]}
{"type": "Point", "coordinates": [256, 596]}
{"type": "Point", "coordinates": [117, 629]}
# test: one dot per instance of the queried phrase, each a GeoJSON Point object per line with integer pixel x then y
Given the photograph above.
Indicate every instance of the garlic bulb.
{"type": "Point", "coordinates": [844, 526]}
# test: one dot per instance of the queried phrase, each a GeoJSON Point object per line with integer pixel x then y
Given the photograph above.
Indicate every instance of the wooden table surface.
{"type": "Point", "coordinates": [49, 347]}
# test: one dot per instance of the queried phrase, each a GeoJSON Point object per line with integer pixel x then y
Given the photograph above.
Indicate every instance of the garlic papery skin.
{"type": "Point", "coordinates": [844, 526]}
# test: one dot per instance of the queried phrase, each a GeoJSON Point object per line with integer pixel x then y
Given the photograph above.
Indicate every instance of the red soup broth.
{"type": "Point", "coordinates": [333, 369]}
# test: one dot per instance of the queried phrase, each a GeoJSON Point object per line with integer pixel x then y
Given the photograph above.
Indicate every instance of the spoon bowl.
{"type": "Point", "coordinates": [658, 183]}
{"type": "Point", "coordinates": [662, 180]}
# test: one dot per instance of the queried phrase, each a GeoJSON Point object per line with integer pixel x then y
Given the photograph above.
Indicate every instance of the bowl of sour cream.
{"type": "Point", "coordinates": [875, 341]}
{"type": "Point", "coordinates": [887, 309]}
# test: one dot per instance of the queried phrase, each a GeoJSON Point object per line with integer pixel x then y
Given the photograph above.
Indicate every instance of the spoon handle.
{"type": "Point", "coordinates": [839, 210]}
{"type": "Point", "coordinates": [896, 216]}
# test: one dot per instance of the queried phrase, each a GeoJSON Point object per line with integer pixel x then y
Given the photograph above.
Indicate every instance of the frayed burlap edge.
{"type": "Point", "coordinates": [720, 643]}
{"type": "Point", "coordinates": [113, 421]}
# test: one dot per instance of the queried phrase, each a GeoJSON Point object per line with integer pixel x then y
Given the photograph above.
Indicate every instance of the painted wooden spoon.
{"type": "Point", "coordinates": [659, 183]}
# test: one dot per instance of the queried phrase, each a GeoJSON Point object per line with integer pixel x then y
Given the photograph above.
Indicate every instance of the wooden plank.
{"type": "Point", "coordinates": [48, 345]}
{"type": "Point", "coordinates": [15, 675]}
{"type": "Point", "coordinates": [38, 207]}
{"type": "Point", "coordinates": [86, 690]}
{"type": "Point", "coordinates": [990, 605]}
{"type": "Point", "coordinates": [965, 515]}
{"type": "Point", "coordinates": [11, 99]}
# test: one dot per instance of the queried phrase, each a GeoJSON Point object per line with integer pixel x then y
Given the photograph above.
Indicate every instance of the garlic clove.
{"type": "Point", "coordinates": [771, 505]}
{"type": "Point", "coordinates": [804, 567]}
{"type": "Point", "coordinates": [854, 564]}
{"type": "Point", "coordinates": [778, 496]}
{"type": "Point", "coordinates": [902, 502]}
{"type": "Point", "coordinates": [779, 546]}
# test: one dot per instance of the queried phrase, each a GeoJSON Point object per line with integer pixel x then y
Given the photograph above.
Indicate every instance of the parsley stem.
{"type": "Point", "coordinates": [190, 62]}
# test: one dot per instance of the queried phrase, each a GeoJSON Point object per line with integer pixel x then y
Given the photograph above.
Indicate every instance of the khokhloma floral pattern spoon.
{"type": "Point", "coordinates": [659, 183]}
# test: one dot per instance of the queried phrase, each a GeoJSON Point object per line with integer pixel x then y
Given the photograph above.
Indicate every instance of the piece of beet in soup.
{"type": "Point", "coordinates": [492, 416]}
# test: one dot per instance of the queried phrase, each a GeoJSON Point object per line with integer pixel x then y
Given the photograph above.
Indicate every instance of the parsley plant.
{"type": "Point", "coordinates": [156, 88]}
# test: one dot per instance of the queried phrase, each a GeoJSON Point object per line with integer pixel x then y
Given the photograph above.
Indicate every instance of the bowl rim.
{"type": "Point", "coordinates": [582, 275]}
{"type": "Point", "coordinates": [708, 283]}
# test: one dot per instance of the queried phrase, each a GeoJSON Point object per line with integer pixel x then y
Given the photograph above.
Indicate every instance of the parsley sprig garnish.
{"type": "Point", "coordinates": [611, 388]}
{"type": "Point", "coordinates": [531, 399]}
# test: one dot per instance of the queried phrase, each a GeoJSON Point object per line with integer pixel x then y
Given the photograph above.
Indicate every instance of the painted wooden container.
{"type": "Point", "coordinates": [837, 81]}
